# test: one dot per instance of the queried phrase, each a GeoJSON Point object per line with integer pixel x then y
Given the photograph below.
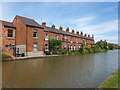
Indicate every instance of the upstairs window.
{"type": "Point", "coordinates": [10, 33]}
{"type": "Point", "coordinates": [76, 40]}
{"type": "Point", "coordinates": [35, 33]}
{"type": "Point", "coordinates": [46, 36]}
{"type": "Point", "coordinates": [71, 40]}
{"type": "Point", "coordinates": [56, 37]}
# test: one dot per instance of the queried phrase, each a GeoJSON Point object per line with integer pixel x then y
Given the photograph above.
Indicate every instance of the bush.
{"type": "Point", "coordinates": [91, 50]}
{"type": "Point", "coordinates": [97, 48]}
{"type": "Point", "coordinates": [6, 56]}
{"type": "Point", "coordinates": [73, 53]}
{"type": "Point", "coordinates": [110, 46]}
{"type": "Point", "coordinates": [85, 51]}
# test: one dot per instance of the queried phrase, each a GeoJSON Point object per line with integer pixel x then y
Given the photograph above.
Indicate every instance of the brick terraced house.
{"type": "Point", "coordinates": [26, 37]}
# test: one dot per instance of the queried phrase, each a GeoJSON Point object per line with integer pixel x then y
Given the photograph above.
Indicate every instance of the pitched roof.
{"type": "Point", "coordinates": [48, 29]}
{"type": "Point", "coordinates": [7, 24]}
{"type": "Point", "coordinates": [29, 22]}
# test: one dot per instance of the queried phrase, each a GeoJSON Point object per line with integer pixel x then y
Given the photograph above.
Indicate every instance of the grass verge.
{"type": "Point", "coordinates": [112, 81]}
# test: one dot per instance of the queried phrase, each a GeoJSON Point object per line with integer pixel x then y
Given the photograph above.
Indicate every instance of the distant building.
{"type": "Point", "coordinates": [25, 37]}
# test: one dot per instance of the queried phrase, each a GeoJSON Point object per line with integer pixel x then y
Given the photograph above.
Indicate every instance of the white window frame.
{"type": "Point", "coordinates": [56, 37]}
{"type": "Point", "coordinates": [46, 36]}
{"type": "Point", "coordinates": [36, 33]}
{"type": "Point", "coordinates": [35, 46]}
{"type": "Point", "coordinates": [77, 40]}
{"type": "Point", "coordinates": [46, 47]}
{"type": "Point", "coordinates": [71, 40]}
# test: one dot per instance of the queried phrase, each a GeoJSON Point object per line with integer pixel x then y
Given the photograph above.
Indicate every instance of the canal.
{"type": "Point", "coordinates": [75, 71]}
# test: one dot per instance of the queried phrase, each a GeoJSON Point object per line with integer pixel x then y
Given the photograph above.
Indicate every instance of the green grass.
{"type": "Point", "coordinates": [112, 81]}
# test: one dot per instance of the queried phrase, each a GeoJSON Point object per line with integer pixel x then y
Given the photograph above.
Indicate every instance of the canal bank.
{"type": "Point", "coordinates": [112, 81]}
{"type": "Point", "coordinates": [72, 71]}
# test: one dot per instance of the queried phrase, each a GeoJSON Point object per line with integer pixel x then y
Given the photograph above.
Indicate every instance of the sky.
{"type": "Point", "coordinates": [97, 18]}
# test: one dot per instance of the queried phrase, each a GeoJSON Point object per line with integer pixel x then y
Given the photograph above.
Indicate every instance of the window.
{"type": "Point", "coordinates": [10, 33]}
{"type": "Point", "coordinates": [46, 47]}
{"type": "Point", "coordinates": [46, 36]}
{"type": "Point", "coordinates": [35, 33]}
{"type": "Point", "coordinates": [71, 47]}
{"type": "Point", "coordinates": [74, 47]}
{"type": "Point", "coordinates": [56, 37]}
{"type": "Point", "coordinates": [65, 38]}
{"type": "Point", "coordinates": [65, 47]}
{"type": "Point", "coordinates": [70, 40]}
{"type": "Point", "coordinates": [35, 46]}
{"type": "Point", "coordinates": [76, 40]}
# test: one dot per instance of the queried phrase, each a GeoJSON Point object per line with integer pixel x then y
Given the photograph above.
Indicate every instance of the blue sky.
{"type": "Point", "coordinates": [98, 18]}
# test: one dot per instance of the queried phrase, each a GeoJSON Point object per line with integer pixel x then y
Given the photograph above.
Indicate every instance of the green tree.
{"type": "Point", "coordinates": [110, 46]}
{"type": "Point", "coordinates": [54, 45]}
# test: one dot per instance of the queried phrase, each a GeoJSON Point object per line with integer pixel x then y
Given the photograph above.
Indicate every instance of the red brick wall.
{"type": "Point", "coordinates": [20, 31]}
{"type": "Point", "coordinates": [31, 40]}
{"type": "Point", "coordinates": [7, 40]}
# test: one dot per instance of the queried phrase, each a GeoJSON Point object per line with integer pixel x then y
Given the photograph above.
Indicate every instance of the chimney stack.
{"type": "Point", "coordinates": [53, 26]}
{"type": "Point", "coordinates": [73, 31]}
{"type": "Point", "coordinates": [77, 32]}
{"type": "Point", "coordinates": [67, 29]}
{"type": "Point", "coordinates": [44, 24]}
{"type": "Point", "coordinates": [92, 36]}
{"type": "Point", "coordinates": [61, 28]}
{"type": "Point", "coordinates": [81, 33]}
{"type": "Point", "coordinates": [85, 35]}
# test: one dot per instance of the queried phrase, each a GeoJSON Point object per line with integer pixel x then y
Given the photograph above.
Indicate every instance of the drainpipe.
{"type": "Point", "coordinates": [26, 40]}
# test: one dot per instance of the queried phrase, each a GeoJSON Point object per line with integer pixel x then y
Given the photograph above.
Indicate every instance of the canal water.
{"type": "Point", "coordinates": [75, 71]}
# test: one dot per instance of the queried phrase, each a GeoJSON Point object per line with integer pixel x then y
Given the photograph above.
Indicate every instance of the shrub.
{"type": "Point", "coordinates": [97, 48]}
{"type": "Point", "coordinates": [73, 53]}
{"type": "Point", "coordinates": [110, 46]}
{"type": "Point", "coordinates": [6, 56]}
{"type": "Point", "coordinates": [91, 50]}
{"type": "Point", "coordinates": [85, 51]}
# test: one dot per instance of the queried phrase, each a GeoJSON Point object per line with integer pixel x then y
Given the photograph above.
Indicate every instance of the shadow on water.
{"type": "Point", "coordinates": [76, 71]}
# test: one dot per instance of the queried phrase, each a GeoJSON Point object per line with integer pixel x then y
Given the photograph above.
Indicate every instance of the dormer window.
{"type": "Point", "coordinates": [10, 33]}
{"type": "Point", "coordinates": [35, 33]}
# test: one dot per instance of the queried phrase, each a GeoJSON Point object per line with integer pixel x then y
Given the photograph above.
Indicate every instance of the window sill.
{"type": "Point", "coordinates": [35, 37]}
{"type": "Point", "coordinates": [10, 37]}
{"type": "Point", "coordinates": [46, 39]}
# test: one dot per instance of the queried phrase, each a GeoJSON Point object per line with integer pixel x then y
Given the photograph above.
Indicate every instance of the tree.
{"type": "Point", "coordinates": [102, 44]}
{"type": "Point", "coordinates": [110, 46]}
{"type": "Point", "coordinates": [54, 45]}
{"type": "Point", "coordinates": [82, 43]}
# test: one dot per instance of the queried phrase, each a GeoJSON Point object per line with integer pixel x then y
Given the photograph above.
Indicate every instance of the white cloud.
{"type": "Point", "coordinates": [101, 31]}
{"type": "Point", "coordinates": [102, 28]}
{"type": "Point", "coordinates": [82, 21]}
{"type": "Point", "coordinates": [109, 38]}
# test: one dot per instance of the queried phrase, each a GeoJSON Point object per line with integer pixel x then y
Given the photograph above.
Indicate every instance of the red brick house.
{"type": "Point", "coordinates": [7, 37]}
{"type": "Point", "coordinates": [31, 39]}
